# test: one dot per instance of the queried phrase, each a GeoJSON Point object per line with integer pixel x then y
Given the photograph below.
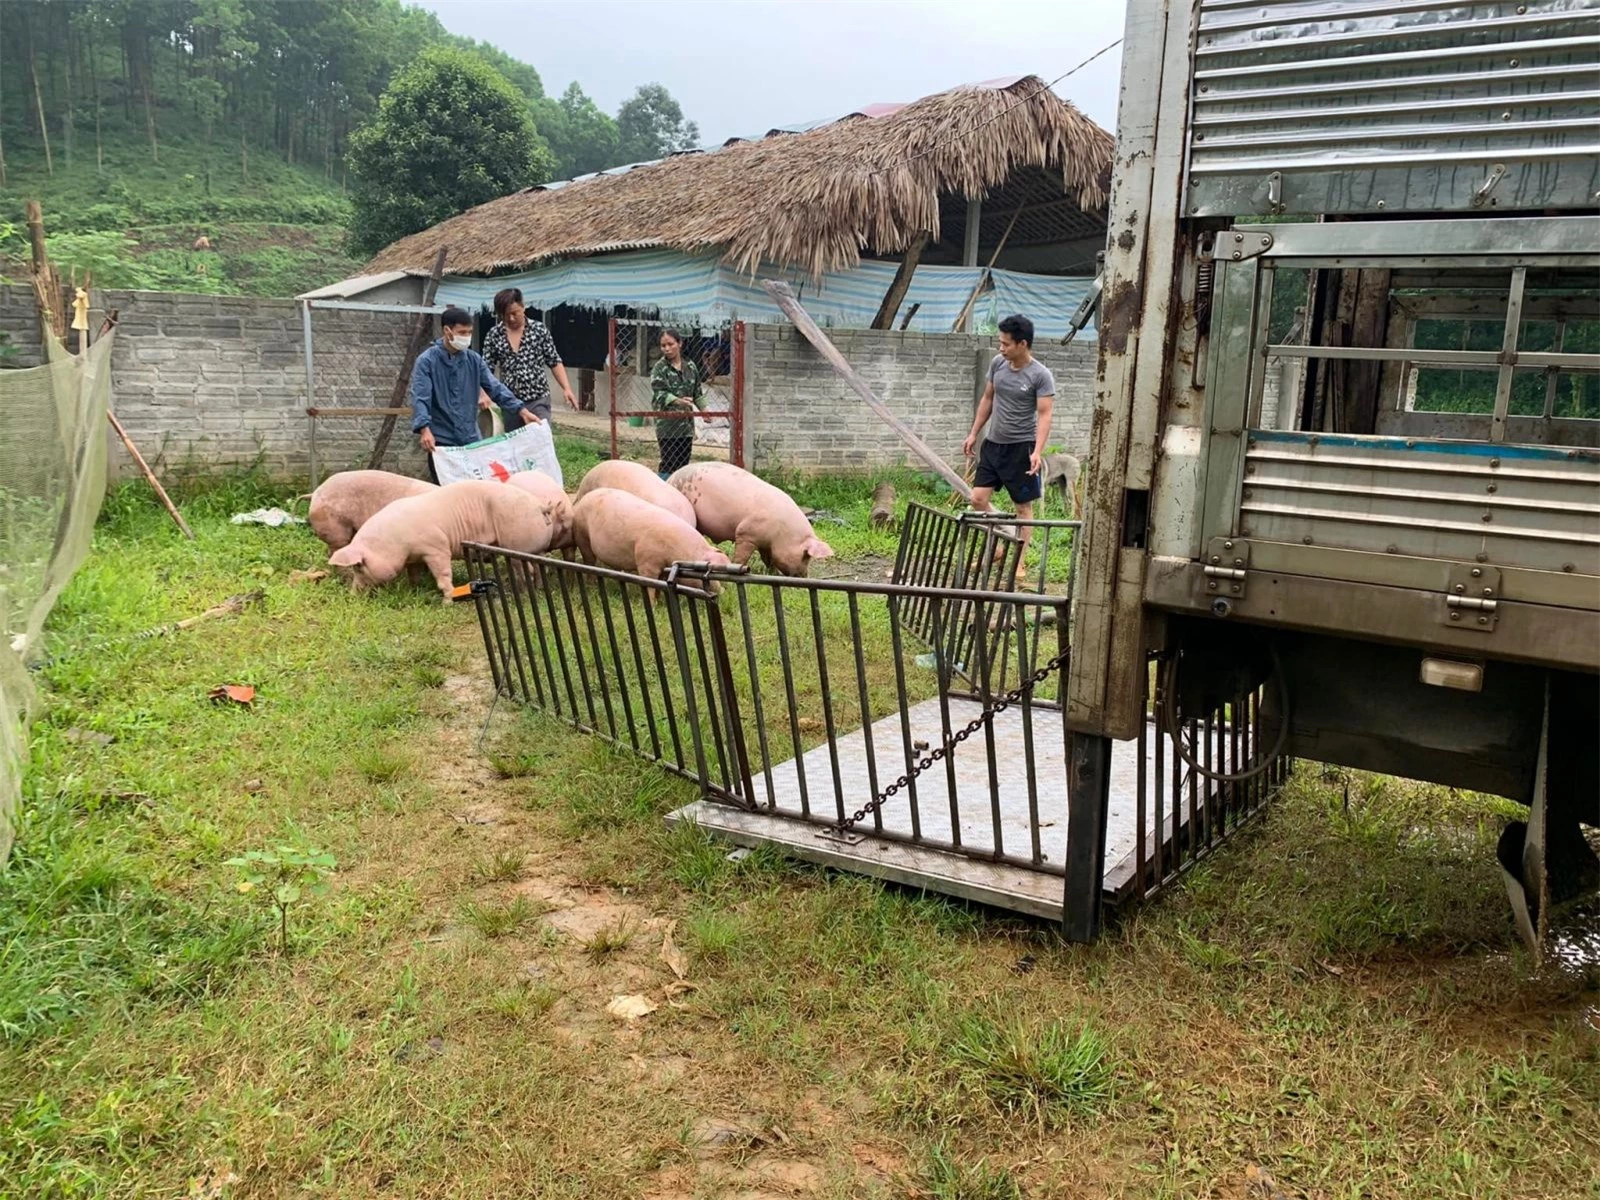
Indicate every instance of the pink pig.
{"type": "Point", "coordinates": [347, 501]}
{"type": "Point", "coordinates": [621, 531]}
{"type": "Point", "coordinates": [431, 528]}
{"type": "Point", "coordinates": [641, 481]}
{"type": "Point", "coordinates": [548, 492]}
{"type": "Point", "coordinates": [732, 505]}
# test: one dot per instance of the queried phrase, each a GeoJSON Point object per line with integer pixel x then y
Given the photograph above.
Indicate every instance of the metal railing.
{"type": "Point", "coordinates": [806, 699]}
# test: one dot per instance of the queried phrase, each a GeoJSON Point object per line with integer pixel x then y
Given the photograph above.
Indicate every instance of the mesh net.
{"type": "Point", "coordinates": [52, 480]}
{"type": "Point", "coordinates": [639, 349]}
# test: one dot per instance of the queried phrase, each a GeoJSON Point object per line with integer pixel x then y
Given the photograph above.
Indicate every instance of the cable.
{"type": "Point", "coordinates": [1169, 718]}
{"type": "Point", "coordinates": [1008, 108]}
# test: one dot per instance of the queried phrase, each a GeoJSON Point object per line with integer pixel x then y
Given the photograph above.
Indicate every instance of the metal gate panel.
{"type": "Point", "coordinates": [1307, 106]}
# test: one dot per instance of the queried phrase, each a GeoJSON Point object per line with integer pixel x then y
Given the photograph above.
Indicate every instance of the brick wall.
{"type": "Point", "coordinates": [799, 414]}
{"type": "Point", "coordinates": [212, 383]}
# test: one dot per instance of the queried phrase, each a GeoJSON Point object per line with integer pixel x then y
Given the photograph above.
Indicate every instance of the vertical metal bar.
{"type": "Point", "coordinates": [788, 687]}
{"type": "Point", "coordinates": [548, 581]}
{"type": "Point", "coordinates": [942, 666]}
{"type": "Point", "coordinates": [517, 569]}
{"type": "Point", "coordinates": [827, 701]}
{"type": "Point", "coordinates": [1140, 804]}
{"type": "Point", "coordinates": [1209, 787]}
{"type": "Point", "coordinates": [505, 676]}
{"type": "Point", "coordinates": [575, 646]}
{"type": "Point", "coordinates": [1191, 845]}
{"type": "Point", "coordinates": [865, 702]}
{"type": "Point", "coordinates": [730, 701]}
{"type": "Point", "coordinates": [704, 687]}
{"type": "Point", "coordinates": [904, 704]}
{"type": "Point", "coordinates": [611, 376]}
{"type": "Point", "coordinates": [479, 606]}
{"type": "Point", "coordinates": [662, 677]}
{"type": "Point", "coordinates": [640, 674]}
{"type": "Point", "coordinates": [501, 570]}
{"type": "Point", "coordinates": [1088, 800]}
{"type": "Point", "coordinates": [903, 544]}
{"type": "Point", "coordinates": [1020, 619]}
{"type": "Point", "coordinates": [534, 583]}
{"type": "Point", "coordinates": [736, 421]}
{"type": "Point", "coordinates": [681, 647]}
{"type": "Point", "coordinates": [1508, 370]}
{"type": "Point", "coordinates": [1160, 801]}
{"type": "Point", "coordinates": [981, 646]}
{"type": "Point", "coordinates": [601, 681]}
{"type": "Point", "coordinates": [617, 662]}
{"type": "Point", "coordinates": [1551, 374]}
{"type": "Point", "coordinates": [755, 692]}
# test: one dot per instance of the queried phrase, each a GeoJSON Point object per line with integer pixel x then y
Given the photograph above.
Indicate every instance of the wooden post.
{"type": "Point", "coordinates": [974, 231]}
{"type": "Point", "coordinates": [420, 331]}
{"type": "Point", "coordinates": [910, 313]}
{"type": "Point", "coordinates": [46, 286]}
{"type": "Point", "coordinates": [149, 475]}
{"type": "Point", "coordinates": [977, 288]}
{"type": "Point", "coordinates": [783, 295]}
{"type": "Point", "coordinates": [902, 282]}
{"type": "Point", "coordinates": [882, 506]}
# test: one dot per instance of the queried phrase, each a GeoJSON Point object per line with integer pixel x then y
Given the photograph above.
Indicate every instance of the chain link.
{"type": "Point", "coordinates": [955, 739]}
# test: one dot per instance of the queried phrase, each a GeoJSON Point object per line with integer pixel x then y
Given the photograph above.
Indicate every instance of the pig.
{"type": "Point", "coordinates": [346, 501]}
{"type": "Point", "coordinates": [732, 505]}
{"type": "Point", "coordinates": [430, 529]}
{"type": "Point", "coordinates": [548, 492]}
{"type": "Point", "coordinates": [642, 482]}
{"type": "Point", "coordinates": [621, 531]}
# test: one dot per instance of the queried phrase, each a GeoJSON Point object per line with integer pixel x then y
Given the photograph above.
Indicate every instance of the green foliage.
{"type": "Point", "coordinates": [582, 138]}
{"type": "Point", "coordinates": [450, 133]}
{"type": "Point", "coordinates": [946, 1178]}
{"type": "Point", "coordinates": [284, 875]}
{"type": "Point", "coordinates": [650, 125]}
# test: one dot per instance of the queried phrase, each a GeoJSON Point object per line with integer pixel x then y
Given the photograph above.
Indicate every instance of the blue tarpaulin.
{"type": "Point", "coordinates": [701, 290]}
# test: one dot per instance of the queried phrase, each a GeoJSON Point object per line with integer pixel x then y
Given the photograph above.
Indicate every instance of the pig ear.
{"type": "Point", "coordinates": [817, 548]}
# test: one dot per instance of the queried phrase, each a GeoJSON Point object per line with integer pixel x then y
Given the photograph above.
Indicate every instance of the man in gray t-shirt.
{"type": "Point", "coordinates": [1020, 394]}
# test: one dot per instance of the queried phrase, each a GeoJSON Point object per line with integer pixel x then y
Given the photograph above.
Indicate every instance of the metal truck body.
{"type": "Point", "coordinates": [1347, 429]}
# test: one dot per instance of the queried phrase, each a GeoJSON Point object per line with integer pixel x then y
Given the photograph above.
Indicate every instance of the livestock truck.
{"type": "Point", "coordinates": [1346, 442]}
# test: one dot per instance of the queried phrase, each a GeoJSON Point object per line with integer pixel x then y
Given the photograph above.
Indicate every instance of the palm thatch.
{"type": "Point", "coordinates": [813, 200]}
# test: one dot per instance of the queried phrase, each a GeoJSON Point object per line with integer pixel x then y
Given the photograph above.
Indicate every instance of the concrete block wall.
{"type": "Point", "coordinates": [213, 383]}
{"type": "Point", "coordinates": [800, 415]}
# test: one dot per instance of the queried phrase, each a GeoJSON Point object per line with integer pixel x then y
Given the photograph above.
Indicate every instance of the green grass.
{"type": "Point", "coordinates": [1335, 998]}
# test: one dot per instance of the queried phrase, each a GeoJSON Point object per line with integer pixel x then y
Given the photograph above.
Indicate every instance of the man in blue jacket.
{"type": "Point", "coordinates": [444, 390]}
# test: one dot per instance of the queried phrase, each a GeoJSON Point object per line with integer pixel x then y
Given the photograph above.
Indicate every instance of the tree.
{"type": "Point", "coordinates": [450, 133]}
{"type": "Point", "coordinates": [650, 125]}
{"type": "Point", "coordinates": [583, 138]}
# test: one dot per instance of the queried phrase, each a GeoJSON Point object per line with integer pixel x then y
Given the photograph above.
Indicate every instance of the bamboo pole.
{"type": "Point", "coordinates": [977, 289]}
{"type": "Point", "coordinates": [784, 296]}
{"type": "Point", "coordinates": [149, 475]}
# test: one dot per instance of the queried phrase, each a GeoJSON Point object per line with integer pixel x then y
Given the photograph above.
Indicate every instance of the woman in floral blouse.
{"type": "Point", "coordinates": [675, 387]}
{"type": "Point", "coordinates": [518, 350]}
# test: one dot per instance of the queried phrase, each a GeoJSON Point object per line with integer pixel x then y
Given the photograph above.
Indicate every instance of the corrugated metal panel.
{"type": "Point", "coordinates": [1519, 506]}
{"type": "Point", "coordinates": [1307, 106]}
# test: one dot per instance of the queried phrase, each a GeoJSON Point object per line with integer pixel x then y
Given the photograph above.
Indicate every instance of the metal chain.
{"type": "Point", "coordinates": [955, 739]}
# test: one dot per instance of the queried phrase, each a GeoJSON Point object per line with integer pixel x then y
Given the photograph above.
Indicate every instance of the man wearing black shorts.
{"type": "Point", "coordinates": [1020, 395]}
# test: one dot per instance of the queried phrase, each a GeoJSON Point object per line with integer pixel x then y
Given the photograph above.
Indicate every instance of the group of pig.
{"type": "Point", "coordinates": [623, 516]}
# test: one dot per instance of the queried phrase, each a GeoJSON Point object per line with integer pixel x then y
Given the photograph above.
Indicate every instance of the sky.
{"type": "Point", "coordinates": [740, 67]}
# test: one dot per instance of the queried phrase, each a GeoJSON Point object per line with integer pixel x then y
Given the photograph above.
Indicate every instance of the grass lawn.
{"type": "Point", "coordinates": [1334, 1006]}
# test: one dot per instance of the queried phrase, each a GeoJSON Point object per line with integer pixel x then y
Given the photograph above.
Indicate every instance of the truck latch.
{"type": "Point", "coordinates": [1472, 597]}
{"type": "Point", "coordinates": [1227, 563]}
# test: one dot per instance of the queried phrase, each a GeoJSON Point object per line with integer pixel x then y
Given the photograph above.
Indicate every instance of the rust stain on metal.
{"type": "Point", "coordinates": [1119, 312]}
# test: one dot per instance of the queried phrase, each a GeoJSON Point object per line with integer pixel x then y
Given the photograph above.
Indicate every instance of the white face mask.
{"type": "Point", "coordinates": [461, 342]}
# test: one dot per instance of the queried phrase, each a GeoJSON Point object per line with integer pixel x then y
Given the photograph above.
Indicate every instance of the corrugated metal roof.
{"type": "Point", "coordinates": [354, 286]}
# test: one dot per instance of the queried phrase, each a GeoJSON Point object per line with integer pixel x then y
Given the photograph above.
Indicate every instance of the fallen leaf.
{"type": "Point", "coordinates": [237, 693]}
{"type": "Point", "coordinates": [671, 955]}
{"type": "Point", "coordinates": [809, 725]}
{"type": "Point", "coordinates": [307, 576]}
{"type": "Point", "coordinates": [679, 987]}
{"type": "Point", "coordinates": [212, 1185]}
{"type": "Point", "coordinates": [631, 1008]}
{"type": "Point", "coordinates": [254, 786]}
{"type": "Point", "coordinates": [88, 737]}
{"type": "Point", "coordinates": [1330, 968]}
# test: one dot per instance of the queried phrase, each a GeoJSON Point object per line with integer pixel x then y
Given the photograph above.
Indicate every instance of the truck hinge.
{"type": "Point", "coordinates": [1226, 566]}
{"type": "Point", "coordinates": [1472, 597]}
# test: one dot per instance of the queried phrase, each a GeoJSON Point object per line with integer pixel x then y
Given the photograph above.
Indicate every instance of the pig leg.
{"type": "Point", "coordinates": [744, 545]}
{"type": "Point", "coordinates": [438, 564]}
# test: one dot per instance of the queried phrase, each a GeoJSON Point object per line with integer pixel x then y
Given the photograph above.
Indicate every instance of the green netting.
{"type": "Point", "coordinates": [52, 480]}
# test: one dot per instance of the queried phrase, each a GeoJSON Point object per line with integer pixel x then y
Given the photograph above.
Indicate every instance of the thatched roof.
{"type": "Point", "coordinates": [814, 200]}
